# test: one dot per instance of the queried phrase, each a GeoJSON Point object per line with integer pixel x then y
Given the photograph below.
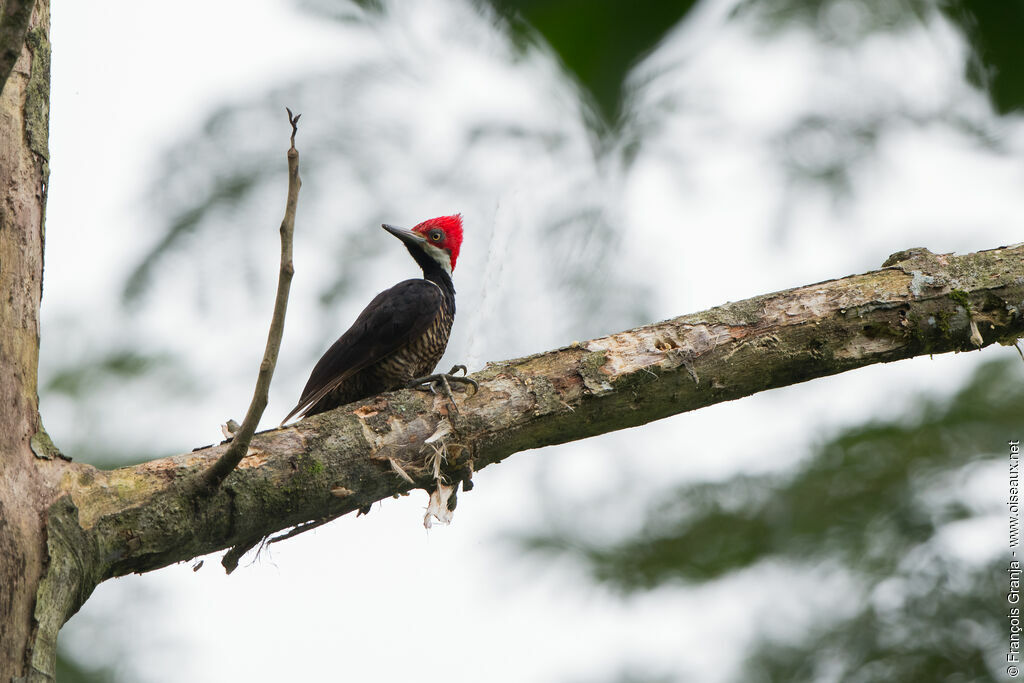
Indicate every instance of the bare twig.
{"type": "Point", "coordinates": [240, 444]}
{"type": "Point", "coordinates": [13, 29]}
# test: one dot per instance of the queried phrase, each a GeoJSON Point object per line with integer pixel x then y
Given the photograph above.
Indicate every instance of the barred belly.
{"type": "Point", "coordinates": [415, 359]}
{"type": "Point", "coordinates": [418, 358]}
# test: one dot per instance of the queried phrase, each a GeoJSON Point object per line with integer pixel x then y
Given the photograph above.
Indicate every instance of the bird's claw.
{"type": "Point", "coordinates": [444, 379]}
{"type": "Point", "coordinates": [430, 382]}
{"type": "Point", "coordinates": [470, 382]}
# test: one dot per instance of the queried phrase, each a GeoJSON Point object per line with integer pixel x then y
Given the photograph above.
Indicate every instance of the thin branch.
{"type": "Point", "coordinates": [13, 29]}
{"type": "Point", "coordinates": [240, 444]}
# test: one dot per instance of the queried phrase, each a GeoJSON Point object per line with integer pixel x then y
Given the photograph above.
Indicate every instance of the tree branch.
{"type": "Point", "coordinates": [220, 469]}
{"type": "Point", "coordinates": [141, 518]}
{"type": "Point", "coordinates": [13, 29]}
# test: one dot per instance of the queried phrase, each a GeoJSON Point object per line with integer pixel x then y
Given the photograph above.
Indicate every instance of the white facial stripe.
{"type": "Point", "coordinates": [440, 255]}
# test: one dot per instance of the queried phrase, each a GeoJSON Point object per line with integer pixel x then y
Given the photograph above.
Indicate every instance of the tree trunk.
{"type": "Point", "coordinates": [27, 481]}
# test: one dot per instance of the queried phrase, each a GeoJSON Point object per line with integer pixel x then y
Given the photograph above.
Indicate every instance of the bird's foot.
{"type": "Point", "coordinates": [443, 381]}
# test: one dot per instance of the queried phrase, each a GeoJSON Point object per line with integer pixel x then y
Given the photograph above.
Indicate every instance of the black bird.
{"type": "Point", "coordinates": [401, 335]}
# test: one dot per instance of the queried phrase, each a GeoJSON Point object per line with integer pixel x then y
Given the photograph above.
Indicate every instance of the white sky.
{"type": "Point", "coordinates": [378, 597]}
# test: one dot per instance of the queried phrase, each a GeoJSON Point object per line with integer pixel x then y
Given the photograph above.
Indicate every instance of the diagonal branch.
{"type": "Point", "coordinates": [243, 436]}
{"type": "Point", "coordinates": [141, 518]}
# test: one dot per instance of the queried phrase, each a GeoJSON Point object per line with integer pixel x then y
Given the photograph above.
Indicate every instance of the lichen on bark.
{"type": "Point", "coordinates": [37, 96]}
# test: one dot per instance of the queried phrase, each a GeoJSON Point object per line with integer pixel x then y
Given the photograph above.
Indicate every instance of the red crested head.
{"type": "Point", "coordinates": [443, 232]}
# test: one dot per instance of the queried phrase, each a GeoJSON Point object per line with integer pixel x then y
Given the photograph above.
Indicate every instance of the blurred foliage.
{"type": "Point", "coordinates": [857, 499]}
{"type": "Point", "coordinates": [598, 41]}
{"type": "Point", "coordinates": [994, 29]}
{"type": "Point", "coordinates": [69, 670]}
{"type": "Point", "coordinates": [948, 626]}
{"type": "Point", "coordinates": [637, 674]}
{"type": "Point", "coordinates": [81, 377]}
{"type": "Point", "coordinates": [93, 382]}
{"type": "Point", "coordinates": [843, 22]}
{"type": "Point", "coordinates": [225, 193]}
{"type": "Point", "coordinates": [831, 148]}
{"type": "Point", "coordinates": [837, 137]}
{"type": "Point", "coordinates": [343, 10]}
{"type": "Point", "coordinates": [873, 500]}
{"type": "Point", "coordinates": [213, 187]}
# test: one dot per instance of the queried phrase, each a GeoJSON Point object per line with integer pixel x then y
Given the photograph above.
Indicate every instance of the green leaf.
{"type": "Point", "coordinates": [598, 41]}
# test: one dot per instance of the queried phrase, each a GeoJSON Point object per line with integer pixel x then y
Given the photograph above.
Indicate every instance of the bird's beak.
{"type": "Point", "coordinates": [407, 236]}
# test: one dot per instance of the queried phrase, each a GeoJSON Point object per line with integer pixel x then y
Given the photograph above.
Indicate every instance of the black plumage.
{"type": "Point", "coordinates": [402, 333]}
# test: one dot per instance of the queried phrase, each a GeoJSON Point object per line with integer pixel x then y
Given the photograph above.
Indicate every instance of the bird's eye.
{"type": "Point", "coordinates": [435, 235]}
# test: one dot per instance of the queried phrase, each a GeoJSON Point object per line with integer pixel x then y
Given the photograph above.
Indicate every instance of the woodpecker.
{"type": "Point", "coordinates": [401, 335]}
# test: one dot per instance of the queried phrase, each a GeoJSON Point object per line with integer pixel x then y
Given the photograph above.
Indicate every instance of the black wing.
{"type": "Point", "coordinates": [394, 317]}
